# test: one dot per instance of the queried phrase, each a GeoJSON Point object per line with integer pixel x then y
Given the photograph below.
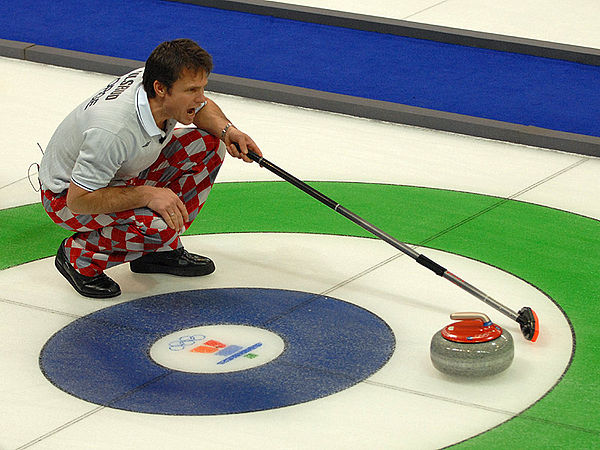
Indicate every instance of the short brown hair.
{"type": "Point", "coordinates": [167, 61]}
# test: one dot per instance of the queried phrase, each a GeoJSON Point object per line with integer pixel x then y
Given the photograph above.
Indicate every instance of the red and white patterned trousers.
{"type": "Point", "coordinates": [188, 165]}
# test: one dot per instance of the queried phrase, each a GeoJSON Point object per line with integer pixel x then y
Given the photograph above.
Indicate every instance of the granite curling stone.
{"type": "Point", "coordinates": [472, 347]}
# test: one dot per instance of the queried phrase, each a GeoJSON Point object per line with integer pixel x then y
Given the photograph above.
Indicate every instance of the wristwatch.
{"type": "Point", "coordinates": [224, 131]}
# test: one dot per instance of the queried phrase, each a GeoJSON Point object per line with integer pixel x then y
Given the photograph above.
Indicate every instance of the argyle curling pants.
{"type": "Point", "coordinates": [188, 165]}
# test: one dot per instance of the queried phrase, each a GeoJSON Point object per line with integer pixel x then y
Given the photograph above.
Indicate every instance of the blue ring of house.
{"type": "Point", "coordinates": [325, 344]}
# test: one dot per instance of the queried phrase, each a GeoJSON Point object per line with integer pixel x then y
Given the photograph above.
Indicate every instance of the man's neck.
{"type": "Point", "coordinates": [157, 112]}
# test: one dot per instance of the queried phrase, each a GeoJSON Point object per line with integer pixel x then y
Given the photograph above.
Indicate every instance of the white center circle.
{"type": "Point", "coordinates": [217, 348]}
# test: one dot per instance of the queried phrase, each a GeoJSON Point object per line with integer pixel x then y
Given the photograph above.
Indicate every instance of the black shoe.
{"type": "Point", "coordinates": [99, 286]}
{"type": "Point", "coordinates": [175, 262]}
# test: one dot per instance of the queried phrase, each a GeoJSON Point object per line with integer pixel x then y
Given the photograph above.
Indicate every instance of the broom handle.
{"type": "Point", "coordinates": [421, 259]}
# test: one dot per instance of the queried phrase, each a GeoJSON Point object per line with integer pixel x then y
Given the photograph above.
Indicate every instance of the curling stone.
{"type": "Point", "coordinates": [472, 347]}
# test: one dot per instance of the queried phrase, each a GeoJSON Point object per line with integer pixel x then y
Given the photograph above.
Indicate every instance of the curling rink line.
{"type": "Point", "coordinates": [572, 23]}
{"type": "Point", "coordinates": [398, 405]}
{"type": "Point", "coordinates": [342, 148]}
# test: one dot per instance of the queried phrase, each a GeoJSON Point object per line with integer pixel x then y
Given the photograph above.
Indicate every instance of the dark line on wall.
{"type": "Point", "coordinates": [448, 35]}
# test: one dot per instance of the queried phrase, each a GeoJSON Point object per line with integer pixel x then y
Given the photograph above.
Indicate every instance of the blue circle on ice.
{"type": "Point", "coordinates": [324, 345]}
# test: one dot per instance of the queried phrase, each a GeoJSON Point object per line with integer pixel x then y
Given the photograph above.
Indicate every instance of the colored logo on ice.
{"type": "Point", "coordinates": [214, 347]}
{"type": "Point", "coordinates": [217, 348]}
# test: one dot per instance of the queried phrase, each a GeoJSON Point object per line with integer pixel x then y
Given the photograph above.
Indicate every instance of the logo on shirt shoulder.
{"type": "Point", "coordinates": [99, 95]}
{"type": "Point", "coordinates": [123, 85]}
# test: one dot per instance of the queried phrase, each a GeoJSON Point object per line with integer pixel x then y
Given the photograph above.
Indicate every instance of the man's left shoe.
{"type": "Point", "coordinates": [176, 262]}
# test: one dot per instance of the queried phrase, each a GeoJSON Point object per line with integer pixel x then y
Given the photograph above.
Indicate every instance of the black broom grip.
{"type": "Point", "coordinates": [292, 179]}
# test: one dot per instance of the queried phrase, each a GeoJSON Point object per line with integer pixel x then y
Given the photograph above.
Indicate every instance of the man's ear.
{"type": "Point", "coordinates": [159, 88]}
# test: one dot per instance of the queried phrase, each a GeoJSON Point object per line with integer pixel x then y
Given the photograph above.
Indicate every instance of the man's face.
{"type": "Point", "coordinates": [186, 94]}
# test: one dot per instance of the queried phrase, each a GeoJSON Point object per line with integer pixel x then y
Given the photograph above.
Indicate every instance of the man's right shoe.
{"type": "Point", "coordinates": [99, 286]}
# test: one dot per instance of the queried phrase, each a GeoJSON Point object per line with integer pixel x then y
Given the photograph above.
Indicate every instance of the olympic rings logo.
{"type": "Point", "coordinates": [185, 341]}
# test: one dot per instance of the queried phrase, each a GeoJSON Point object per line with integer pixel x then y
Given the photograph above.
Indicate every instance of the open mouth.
{"type": "Point", "coordinates": [193, 111]}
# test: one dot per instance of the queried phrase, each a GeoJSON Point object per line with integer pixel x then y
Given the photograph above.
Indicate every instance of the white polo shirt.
{"type": "Point", "coordinates": [108, 139]}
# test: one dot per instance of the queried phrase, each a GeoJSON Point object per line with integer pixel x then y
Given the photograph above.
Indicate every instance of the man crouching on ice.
{"type": "Point", "coordinates": [121, 176]}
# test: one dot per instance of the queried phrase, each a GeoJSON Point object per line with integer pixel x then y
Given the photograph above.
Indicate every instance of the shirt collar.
{"type": "Point", "coordinates": [144, 113]}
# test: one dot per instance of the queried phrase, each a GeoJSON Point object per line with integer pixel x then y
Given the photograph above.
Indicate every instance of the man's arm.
{"type": "Point", "coordinates": [115, 199]}
{"type": "Point", "coordinates": [212, 119]}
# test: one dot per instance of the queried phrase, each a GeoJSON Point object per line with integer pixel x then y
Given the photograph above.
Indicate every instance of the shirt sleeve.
{"type": "Point", "coordinates": [102, 153]}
